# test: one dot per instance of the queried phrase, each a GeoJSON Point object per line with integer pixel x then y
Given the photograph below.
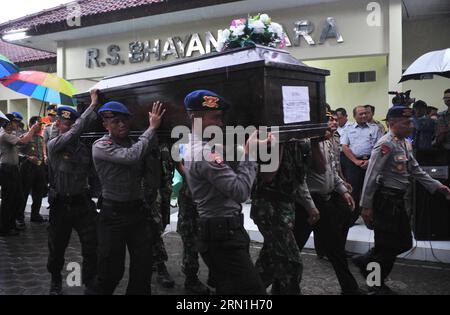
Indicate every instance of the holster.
{"type": "Point", "coordinates": [219, 228]}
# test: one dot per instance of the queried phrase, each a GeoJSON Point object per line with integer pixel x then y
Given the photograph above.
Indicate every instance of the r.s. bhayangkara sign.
{"type": "Point", "coordinates": [177, 47]}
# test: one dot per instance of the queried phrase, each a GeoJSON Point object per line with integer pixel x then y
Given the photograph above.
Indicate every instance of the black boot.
{"type": "Point", "coordinates": [20, 224]}
{"type": "Point", "coordinates": [38, 219]}
{"type": "Point", "coordinates": [194, 285]}
{"type": "Point", "coordinates": [361, 262]}
{"type": "Point", "coordinates": [276, 287]}
{"type": "Point", "coordinates": [163, 277]}
{"type": "Point", "coordinates": [91, 287]}
{"type": "Point", "coordinates": [56, 285]}
{"type": "Point", "coordinates": [381, 290]}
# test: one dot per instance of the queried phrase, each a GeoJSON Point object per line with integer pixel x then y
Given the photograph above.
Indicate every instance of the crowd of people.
{"type": "Point", "coordinates": [321, 185]}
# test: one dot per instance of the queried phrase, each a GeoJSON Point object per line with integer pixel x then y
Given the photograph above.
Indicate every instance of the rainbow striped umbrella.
{"type": "Point", "coordinates": [43, 86]}
{"type": "Point", "coordinates": [7, 67]}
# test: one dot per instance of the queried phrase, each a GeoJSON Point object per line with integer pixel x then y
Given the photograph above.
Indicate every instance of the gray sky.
{"type": "Point", "coordinates": [20, 8]}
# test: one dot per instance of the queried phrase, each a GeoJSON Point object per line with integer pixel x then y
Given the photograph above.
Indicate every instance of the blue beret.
{"type": "Point", "coordinates": [399, 111]}
{"type": "Point", "coordinates": [111, 109]}
{"type": "Point", "coordinates": [17, 116]}
{"type": "Point", "coordinates": [67, 112]}
{"type": "Point", "coordinates": [204, 100]}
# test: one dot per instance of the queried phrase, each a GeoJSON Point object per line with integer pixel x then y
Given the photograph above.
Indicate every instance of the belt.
{"type": "Point", "coordinates": [363, 157]}
{"type": "Point", "coordinates": [219, 228]}
{"type": "Point", "coordinates": [325, 197]}
{"type": "Point", "coordinates": [233, 223]}
{"type": "Point", "coordinates": [123, 205]}
{"type": "Point", "coordinates": [392, 191]}
{"type": "Point", "coordinates": [6, 166]}
{"type": "Point", "coordinates": [66, 198]}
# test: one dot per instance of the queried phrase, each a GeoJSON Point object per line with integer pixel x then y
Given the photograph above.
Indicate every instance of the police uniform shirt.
{"type": "Point", "coordinates": [69, 159]}
{"type": "Point", "coordinates": [361, 138]}
{"type": "Point", "coordinates": [9, 153]}
{"type": "Point", "coordinates": [392, 164]}
{"type": "Point", "coordinates": [120, 166]}
{"type": "Point", "coordinates": [337, 149]}
{"type": "Point", "coordinates": [329, 181]}
{"type": "Point", "coordinates": [444, 120]}
{"type": "Point", "coordinates": [216, 188]}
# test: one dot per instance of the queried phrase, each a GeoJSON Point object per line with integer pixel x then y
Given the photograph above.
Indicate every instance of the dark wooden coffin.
{"type": "Point", "coordinates": [251, 79]}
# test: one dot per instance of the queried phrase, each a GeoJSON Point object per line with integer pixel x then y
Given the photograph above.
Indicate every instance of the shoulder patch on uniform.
{"type": "Point", "coordinates": [385, 149]}
{"type": "Point", "coordinates": [216, 159]}
{"type": "Point", "coordinates": [107, 141]}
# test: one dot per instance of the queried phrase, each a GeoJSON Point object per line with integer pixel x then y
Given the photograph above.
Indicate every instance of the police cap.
{"type": "Point", "coordinates": [111, 109]}
{"type": "Point", "coordinates": [67, 112]}
{"type": "Point", "coordinates": [200, 100]}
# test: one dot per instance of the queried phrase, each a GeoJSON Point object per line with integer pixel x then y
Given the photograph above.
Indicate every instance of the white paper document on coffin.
{"type": "Point", "coordinates": [296, 104]}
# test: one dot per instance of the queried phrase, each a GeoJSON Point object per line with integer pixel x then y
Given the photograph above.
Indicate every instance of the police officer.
{"type": "Point", "coordinates": [71, 206]}
{"type": "Point", "coordinates": [21, 128]}
{"type": "Point", "coordinates": [391, 167]}
{"type": "Point", "coordinates": [334, 203]}
{"type": "Point", "coordinates": [50, 130]}
{"type": "Point", "coordinates": [218, 192]}
{"type": "Point", "coordinates": [9, 172]}
{"type": "Point", "coordinates": [32, 172]}
{"type": "Point", "coordinates": [123, 218]}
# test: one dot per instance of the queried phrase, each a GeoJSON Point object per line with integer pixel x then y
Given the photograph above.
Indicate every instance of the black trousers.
{"type": "Point", "coordinates": [334, 215]}
{"type": "Point", "coordinates": [231, 266]}
{"type": "Point", "coordinates": [80, 215]}
{"type": "Point", "coordinates": [33, 181]}
{"type": "Point", "coordinates": [11, 196]}
{"type": "Point", "coordinates": [392, 229]}
{"type": "Point", "coordinates": [124, 225]}
{"type": "Point", "coordinates": [355, 176]}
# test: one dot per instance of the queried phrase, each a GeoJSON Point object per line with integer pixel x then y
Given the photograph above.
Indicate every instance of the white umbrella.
{"type": "Point", "coordinates": [435, 62]}
{"type": "Point", "coordinates": [2, 116]}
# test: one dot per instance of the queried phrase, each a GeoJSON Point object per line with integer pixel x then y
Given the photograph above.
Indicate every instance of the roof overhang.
{"type": "Point", "coordinates": [46, 38]}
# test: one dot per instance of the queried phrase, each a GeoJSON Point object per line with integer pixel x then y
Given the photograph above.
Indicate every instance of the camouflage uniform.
{"type": "Point", "coordinates": [187, 227]}
{"type": "Point", "coordinates": [158, 189]}
{"type": "Point", "coordinates": [273, 212]}
{"type": "Point", "coordinates": [156, 222]}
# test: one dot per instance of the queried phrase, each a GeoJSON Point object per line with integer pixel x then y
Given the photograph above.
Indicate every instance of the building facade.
{"type": "Point", "coordinates": [365, 44]}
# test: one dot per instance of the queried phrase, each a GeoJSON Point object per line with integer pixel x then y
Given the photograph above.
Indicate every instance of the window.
{"type": "Point", "coordinates": [365, 76]}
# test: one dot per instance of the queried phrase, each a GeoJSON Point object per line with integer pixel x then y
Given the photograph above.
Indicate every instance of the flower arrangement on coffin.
{"type": "Point", "coordinates": [257, 29]}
